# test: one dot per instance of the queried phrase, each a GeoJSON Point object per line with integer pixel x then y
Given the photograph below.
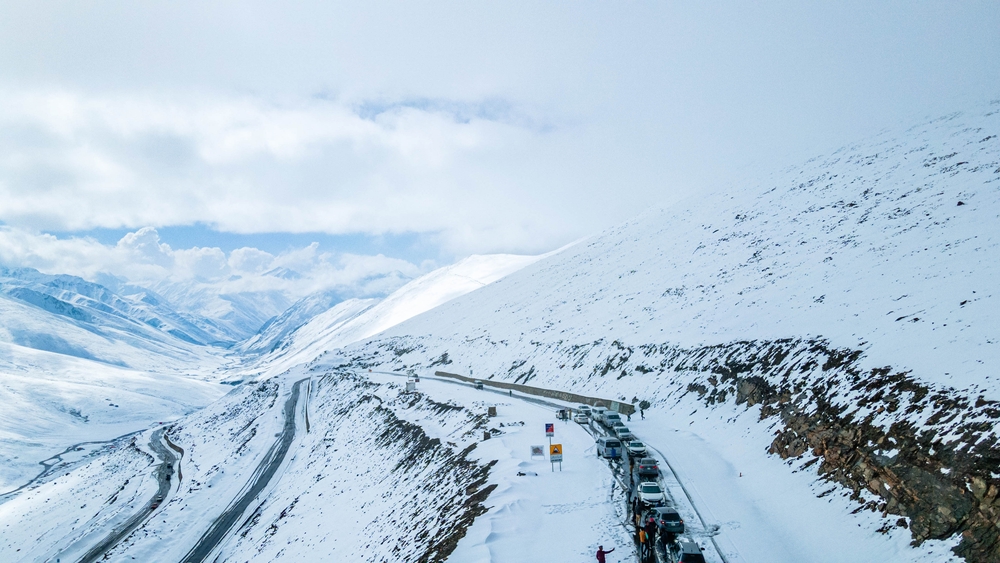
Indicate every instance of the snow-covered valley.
{"type": "Point", "coordinates": [818, 353]}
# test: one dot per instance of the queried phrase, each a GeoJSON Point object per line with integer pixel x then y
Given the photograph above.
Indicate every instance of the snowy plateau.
{"type": "Point", "coordinates": [817, 346]}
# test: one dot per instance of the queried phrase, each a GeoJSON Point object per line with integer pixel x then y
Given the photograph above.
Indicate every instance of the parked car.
{"type": "Point", "coordinates": [597, 413]}
{"type": "Point", "coordinates": [623, 433]}
{"type": "Point", "coordinates": [668, 521]}
{"type": "Point", "coordinates": [581, 418]}
{"type": "Point", "coordinates": [610, 418]}
{"type": "Point", "coordinates": [636, 449]}
{"type": "Point", "coordinates": [691, 553]}
{"type": "Point", "coordinates": [647, 468]}
{"type": "Point", "coordinates": [584, 409]}
{"type": "Point", "coordinates": [651, 493]}
{"type": "Point", "coordinates": [609, 448]}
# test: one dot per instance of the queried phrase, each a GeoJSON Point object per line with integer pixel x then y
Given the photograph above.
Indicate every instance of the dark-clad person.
{"type": "Point", "coordinates": [601, 553]}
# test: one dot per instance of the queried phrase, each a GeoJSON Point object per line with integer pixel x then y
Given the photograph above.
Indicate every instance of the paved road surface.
{"type": "Point", "coordinates": [618, 477]}
{"type": "Point", "coordinates": [163, 478]}
{"type": "Point", "coordinates": [268, 466]}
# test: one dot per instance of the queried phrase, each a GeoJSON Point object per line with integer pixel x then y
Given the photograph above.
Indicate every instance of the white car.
{"type": "Point", "coordinates": [651, 493]}
{"type": "Point", "coordinates": [598, 413]}
{"type": "Point", "coordinates": [581, 418]}
{"type": "Point", "coordinates": [636, 449]}
{"type": "Point", "coordinates": [583, 409]}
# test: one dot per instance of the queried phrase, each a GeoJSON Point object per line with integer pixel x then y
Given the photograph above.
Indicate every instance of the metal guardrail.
{"type": "Point", "coordinates": [616, 406]}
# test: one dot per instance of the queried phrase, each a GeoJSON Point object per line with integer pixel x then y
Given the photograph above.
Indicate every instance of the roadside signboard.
{"type": "Point", "coordinates": [555, 453]}
{"type": "Point", "coordinates": [537, 451]}
{"type": "Point", "coordinates": [550, 429]}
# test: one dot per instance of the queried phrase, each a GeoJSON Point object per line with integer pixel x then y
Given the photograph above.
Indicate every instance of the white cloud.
{"type": "Point", "coordinates": [241, 165]}
{"type": "Point", "coordinates": [513, 127]}
{"type": "Point", "coordinates": [142, 259]}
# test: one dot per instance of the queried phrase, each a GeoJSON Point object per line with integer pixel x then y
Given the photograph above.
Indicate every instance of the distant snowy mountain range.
{"type": "Point", "coordinates": [312, 326]}
{"type": "Point", "coordinates": [82, 361]}
{"type": "Point", "coordinates": [131, 326]}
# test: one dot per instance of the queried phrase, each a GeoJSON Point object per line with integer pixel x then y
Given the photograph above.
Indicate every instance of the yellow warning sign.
{"type": "Point", "coordinates": [555, 452]}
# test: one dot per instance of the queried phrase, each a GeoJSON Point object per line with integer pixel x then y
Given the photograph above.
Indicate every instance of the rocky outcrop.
{"type": "Point", "coordinates": [927, 455]}
{"type": "Point", "coordinates": [903, 448]}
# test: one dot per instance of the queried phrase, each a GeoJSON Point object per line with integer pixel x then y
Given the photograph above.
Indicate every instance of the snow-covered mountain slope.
{"type": "Point", "coordinates": [82, 363]}
{"type": "Point", "coordinates": [849, 303]}
{"type": "Point", "coordinates": [68, 315]}
{"type": "Point", "coordinates": [362, 482]}
{"type": "Point", "coordinates": [238, 314]}
{"type": "Point", "coordinates": [52, 401]}
{"type": "Point", "coordinates": [270, 336]}
{"type": "Point", "coordinates": [356, 319]}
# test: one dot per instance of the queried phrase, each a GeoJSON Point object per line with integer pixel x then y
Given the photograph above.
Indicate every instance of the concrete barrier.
{"type": "Point", "coordinates": [616, 406]}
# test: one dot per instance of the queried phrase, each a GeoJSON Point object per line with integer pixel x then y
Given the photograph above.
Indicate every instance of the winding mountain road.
{"type": "Point", "coordinates": [266, 469]}
{"type": "Point", "coordinates": [672, 477]}
{"type": "Point", "coordinates": [163, 474]}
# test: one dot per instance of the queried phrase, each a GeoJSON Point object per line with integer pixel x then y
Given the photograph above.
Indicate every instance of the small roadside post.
{"type": "Point", "coordinates": [555, 455]}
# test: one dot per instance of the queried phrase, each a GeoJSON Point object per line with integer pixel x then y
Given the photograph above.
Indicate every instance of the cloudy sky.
{"type": "Point", "coordinates": [426, 131]}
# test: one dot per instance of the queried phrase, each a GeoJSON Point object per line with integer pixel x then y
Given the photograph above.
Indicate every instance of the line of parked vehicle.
{"type": "Point", "coordinates": [652, 508]}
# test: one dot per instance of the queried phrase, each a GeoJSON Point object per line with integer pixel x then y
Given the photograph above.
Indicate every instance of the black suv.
{"type": "Point", "coordinates": [668, 521]}
{"type": "Point", "coordinates": [691, 553]}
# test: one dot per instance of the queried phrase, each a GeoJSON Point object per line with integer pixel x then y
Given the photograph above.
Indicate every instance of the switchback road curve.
{"type": "Point", "coordinates": [163, 473]}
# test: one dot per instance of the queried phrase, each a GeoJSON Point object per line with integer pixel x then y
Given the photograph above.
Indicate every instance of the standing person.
{"type": "Point", "coordinates": [601, 553]}
{"type": "Point", "coordinates": [642, 413]}
{"type": "Point", "coordinates": [650, 536]}
{"type": "Point", "coordinates": [629, 415]}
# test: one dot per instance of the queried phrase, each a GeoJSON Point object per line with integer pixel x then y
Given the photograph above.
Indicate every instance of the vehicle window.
{"type": "Point", "coordinates": [651, 488]}
{"type": "Point", "coordinates": [614, 444]}
{"type": "Point", "coordinates": [692, 558]}
{"type": "Point", "coordinates": [635, 444]}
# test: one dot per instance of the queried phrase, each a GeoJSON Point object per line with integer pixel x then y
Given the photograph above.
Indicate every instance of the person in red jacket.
{"type": "Point", "coordinates": [601, 553]}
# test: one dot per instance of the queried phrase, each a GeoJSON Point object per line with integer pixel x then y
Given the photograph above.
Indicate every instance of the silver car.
{"type": "Point", "coordinates": [623, 433]}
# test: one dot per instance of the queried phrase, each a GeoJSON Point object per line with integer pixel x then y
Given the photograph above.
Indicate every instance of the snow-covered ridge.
{"type": "Point", "coordinates": [889, 246]}
{"type": "Point", "coordinates": [356, 319]}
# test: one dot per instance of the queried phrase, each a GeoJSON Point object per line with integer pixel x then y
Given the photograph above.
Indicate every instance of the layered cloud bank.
{"type": "Point", "coordinates": [140, 257]}
{"type": "Point", "coordinates": [73, 162]}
